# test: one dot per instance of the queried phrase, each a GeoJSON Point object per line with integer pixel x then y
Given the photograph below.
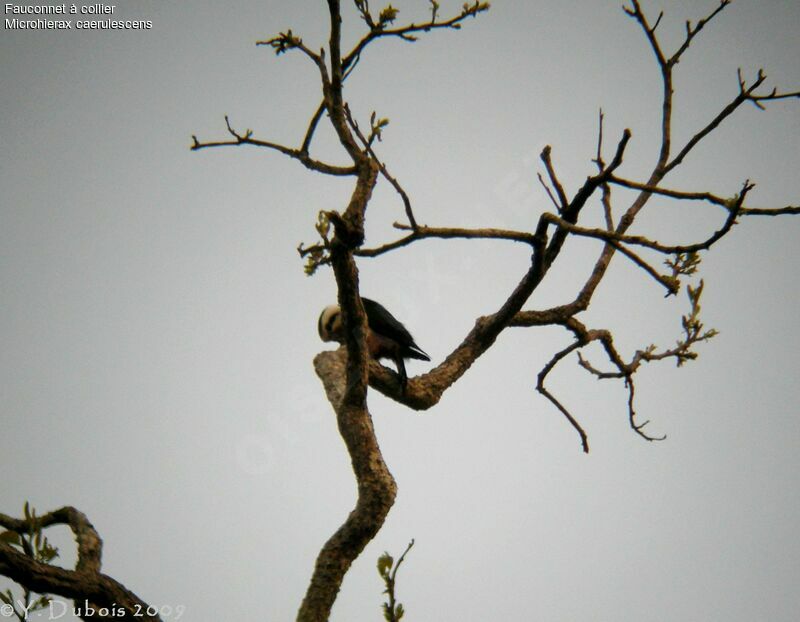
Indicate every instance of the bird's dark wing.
{"type": "Point", "coordinates": [384, 323]}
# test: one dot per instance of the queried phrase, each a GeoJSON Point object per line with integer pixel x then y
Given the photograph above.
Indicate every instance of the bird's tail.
{"type": "Point", "coordinates": [415, 352]}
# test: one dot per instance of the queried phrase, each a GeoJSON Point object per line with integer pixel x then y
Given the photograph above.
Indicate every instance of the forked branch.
{"type": "Point", "coordinates": [85, 582]}
{"type": "Point", "coordinates": [246, 138]}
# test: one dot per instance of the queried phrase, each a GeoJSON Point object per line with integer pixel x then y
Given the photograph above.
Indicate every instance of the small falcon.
{"type": "Point", "coordinates": [387, 337]}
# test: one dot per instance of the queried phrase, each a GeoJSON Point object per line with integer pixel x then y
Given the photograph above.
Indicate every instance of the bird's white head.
{"type": "Point", "coordinates": [330, 324]}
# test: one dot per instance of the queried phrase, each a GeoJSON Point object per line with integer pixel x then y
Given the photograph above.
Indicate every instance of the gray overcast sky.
{"type": "Point", "coordinates": [157, 331]}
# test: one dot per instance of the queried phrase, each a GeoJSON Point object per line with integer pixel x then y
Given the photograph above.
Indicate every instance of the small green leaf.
{"type": "Point", "coordinates": [41, 603]}
{"type": "Point", "coordinates": [387, 15]}
{"type": "Point", "coordinates": [48, 552]}
{"type": "Point", "coordinates": [385, 563]}
{"type": "Point", "coordinates": [10, 537]}
{"type": "Point", "coordinates": [323, 225]}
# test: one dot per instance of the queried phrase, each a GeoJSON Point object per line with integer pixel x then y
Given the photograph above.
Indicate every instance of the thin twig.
{"type": "Point", "coordinates": [638, 427]}
{"type": "Point", "coordinates": [599, 157]}
{"type": "Point", "coordinates": [312, 126]}
{"type": "Point", "coordinates": [544, 391]}
{"type": "Point", "coordinates": [382, 167]}
{"type": "Point", "coordinates": [549, 192]}
{"type": "Point", "coordinates": [298, 154]}
{"type": "Point", "coordinates": [745, 94]}
{"type": "Point", "coordinates": [422, 232]}
{"type": "Point", "coordinates": [407, 33]}
{"type": "Point", "coordinates": [691, 32]}
{"type": "Point", "coordinates": [548, 164]}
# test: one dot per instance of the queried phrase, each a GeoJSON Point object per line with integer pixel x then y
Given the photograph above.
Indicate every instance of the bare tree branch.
{"type": "Point", "coordinates": [86, 582]}
{"type": "Point", "coordinates": [745, 94]}
{"type": "Point", "coordinates": [298, 154]}
{"type": "Point", "coordinates": [638, 427]}
{"type": "Point", "coordinates": [762, 211]}
{"type": "Point", "coordinates": [376, 490]}
{"type": "Point", "coordinates": [407, 33]}
{"type": "Point", "coordinates": [694, 333]}
{"type": "Point", "coordinates": [638, 240]}
{"type": "Point", "coordinates": [422, 232]}
{"type": "Point", "coordinates": [312, 126]}
{"type": "Point", "coordinates": [558, 356]}
{"type": "Point", "coordinates": [548, 164]}
{"type": "Point", "coordinates": [773, 96]}
{"type": "Point", "coordinates": [395, 184]}
{"type": "Point", "coordinates": [691, 32]}
{"type": "Point", "coordinates": [285, 41]}
{"type": "Point", "coordinates": [549, 192]}
{"type": "Point", "coordinates": [572, 209]}
{"type": "Point", "coordinates": [674, 194]}
{"type": "Point", "coordinates": [90, 546]}
{"type": "Point", "coordinates": [599, 156]}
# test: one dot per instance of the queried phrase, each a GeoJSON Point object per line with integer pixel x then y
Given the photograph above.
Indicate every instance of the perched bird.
{"type": "Point", "coordinates": [387, 337]}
